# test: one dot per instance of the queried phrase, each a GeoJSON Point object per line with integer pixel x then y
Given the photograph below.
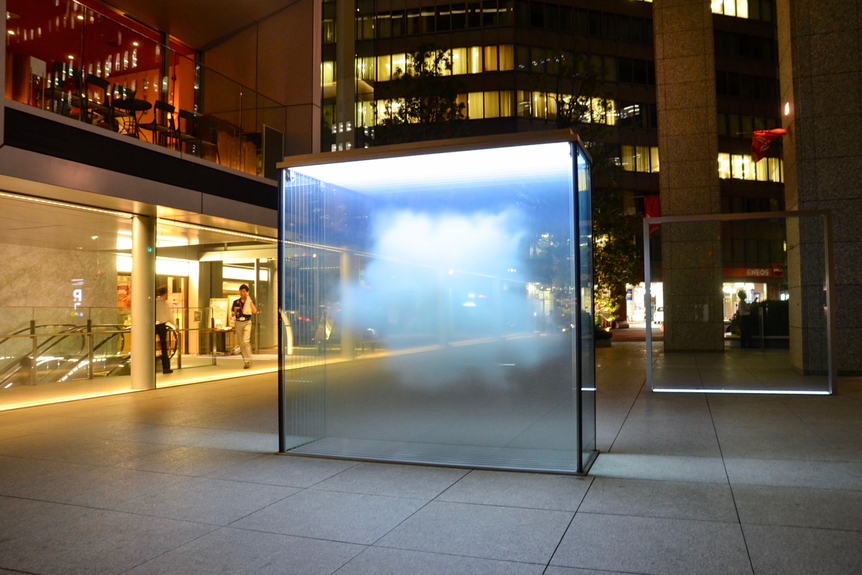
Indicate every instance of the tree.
{"type": "Point", "coordinates": [426, 105]}
{"type": "Point", "coordinates": [581, 106]}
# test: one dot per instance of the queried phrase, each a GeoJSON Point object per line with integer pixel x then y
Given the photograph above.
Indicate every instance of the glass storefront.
{"type": "Point", "coordinates": [437, 305]}
{"type": "Point", "coordinates": [69, 286]}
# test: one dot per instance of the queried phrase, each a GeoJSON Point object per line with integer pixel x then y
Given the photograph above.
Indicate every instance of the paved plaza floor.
{"type": "Point", "coordinates": [184, 480]}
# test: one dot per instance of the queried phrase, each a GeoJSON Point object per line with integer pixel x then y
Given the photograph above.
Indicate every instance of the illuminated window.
{"type": "Point", "coordinates": [776, 169]}
{"type": "Point", "coordinates": [642, 156]}
{"type": "Point", "coordinates": [475, 106]}
{"type": "Point", "coordinates": [724, 166]}
{"type": "Point", "coordinates": [474, 63]}
{"type": "Point", "coordinates": [540, 106]}
{"type": "Point", "coordinates": [327, 72]}
{"type": "Point", "coordinates": [761, 171]}
{"type": "Point", "coordinates": [459, 61]}
{"type": "Point", "coordinates": [740, 167]}
{"type": "Point", "coordinates": [364, 114]}
{"type": "Point", "coordinates": [738, 8]}
{"type": "Point", "coordinates": [507, 57]}
{"type": "Point", "coordinates": [524, 104]}
{"type": "Point", "coordinates": [492, 104]}
{"type": "Point", "coordinates": [399, 64]}
{"type": "Point", "coordinates": [329, 32]}
{"type": "Point", "coordinates": [384, 68]}
{"type": "Point", "coordinates": [640, 159]}
{"type": "Point", "coordinates": [653, 156]}
{"type": "Point", "coordinates": [608, 109]}
{"type": "Point", "coordinates": [491, 59]}
{"type": "Point", "coordinates": [507, 103]}
{"type": "Point", "coordinates": [365, 68]}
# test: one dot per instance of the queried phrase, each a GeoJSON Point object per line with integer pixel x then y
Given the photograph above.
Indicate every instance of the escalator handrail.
{"type": "Point", "coordinates": [27, 329]}
{"type": "Point", "coordinates": [72, 362]}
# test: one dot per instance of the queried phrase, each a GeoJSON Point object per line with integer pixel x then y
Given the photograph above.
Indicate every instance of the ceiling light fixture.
{"type": "Point", "coordinates": [216, 230]}
{"type": "Point", "coordinates": [65, 205]}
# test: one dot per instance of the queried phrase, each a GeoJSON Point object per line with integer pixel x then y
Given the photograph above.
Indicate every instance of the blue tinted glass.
{"type": "Point", "coordinates": [428, 308]}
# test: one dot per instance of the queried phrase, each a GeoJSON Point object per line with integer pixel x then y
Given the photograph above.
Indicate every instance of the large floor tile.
{"type": "Point", "coordinates": [799, 551]}
{"type": "Point", "coordinates": [490, 532]}
{"type": "Point", "coordinates": [387, 561]}
{"type": "Point", "coordinates": [670, 499]}
{"type": "Point", "coordinates": [17, 473]}
{"type": "Point", "coordinates": [238, 440]}
{"type": "Point", "coordinates": [81, 451]}
{"type": "Point", "coordinates": [193, 461]}
{"type": "Point", "coordinates": [654, 546]}
{"type": "Point", "coordinates": [28, 518]}
{"type": "Point", "coordinates": [347, 517]}
{"type": "Point", "coordinates": [102, 487]}
{"type": "Point", "coordinates": [799, 507]}
{"type": "Point", "coordinates": [412, 481]}
{"type": "Point", "coordinates": [666, 436]}
{"type": "Point", "coordinates": [533, 490]}
{"type": "Point", "coordinates": [101, 542]}
{"type": "Point", "coordinates": [204, 500]}
{"type": "Point", "coordinates": [795, 473]}
{"type": "Point", "coordinates": [284, 470]}
{"type": "Point", "coordinates": [659, 467]}
{"type": "Point", "coordinates": [241, 552]}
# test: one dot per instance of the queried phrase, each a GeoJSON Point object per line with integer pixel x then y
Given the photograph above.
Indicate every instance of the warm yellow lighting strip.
{"type": "Point", "coordinates": [65, 205]}
{"type": "Point", "coordinates": [217, 230]}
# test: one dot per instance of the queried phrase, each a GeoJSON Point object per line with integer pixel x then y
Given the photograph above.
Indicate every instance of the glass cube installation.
{"type": "Point", "coordinates": [436, 304]}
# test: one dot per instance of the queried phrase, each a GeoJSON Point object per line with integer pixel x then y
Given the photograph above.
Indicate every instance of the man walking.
{"type": "Point", "coordinates": [243, 308]}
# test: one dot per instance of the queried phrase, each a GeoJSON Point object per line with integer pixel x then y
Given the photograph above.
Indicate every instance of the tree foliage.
{"type": "Point", "coordinates": [582, 106]}
{"type": "Point", "coordinates": [427, 106]}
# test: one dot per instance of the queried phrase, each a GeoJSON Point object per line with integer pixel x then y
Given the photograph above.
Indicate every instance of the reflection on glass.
{"type": "Point", "coordinates": [429, 308]}
{"type": "Point", "coordinates": [744, 307]}
{"type": "Point", "coordinates": [109, 71]}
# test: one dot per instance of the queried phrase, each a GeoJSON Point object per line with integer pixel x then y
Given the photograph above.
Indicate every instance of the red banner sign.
{"type": "Point", "coordinates": [761, 141]}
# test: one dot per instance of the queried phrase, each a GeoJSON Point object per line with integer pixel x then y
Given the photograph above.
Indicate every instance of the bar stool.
{"type": "Point", "coordinates": [162, 124]}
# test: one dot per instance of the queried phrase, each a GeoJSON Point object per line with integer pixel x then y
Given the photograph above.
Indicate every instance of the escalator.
{"type": "Point", "coordinates": [62, 354]}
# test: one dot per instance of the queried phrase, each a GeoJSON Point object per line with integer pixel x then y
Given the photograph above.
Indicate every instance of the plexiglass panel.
{"type": "Point", "coordinates": [743, 305]}
{"type": "Point", "coordinates": [428, 308]}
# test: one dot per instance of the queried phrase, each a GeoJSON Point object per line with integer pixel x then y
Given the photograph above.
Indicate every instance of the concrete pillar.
{"type": "Point", "coordinates": [821, 93]}
{"type": "Point", "coordinates": [345, 70]}
{"type": "Point", "coordinates": [143, 302]}
{"type": "Point", "coordinates": [688, 180]}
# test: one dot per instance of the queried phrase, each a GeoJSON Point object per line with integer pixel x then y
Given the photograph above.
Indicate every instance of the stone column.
{"type": "Point", "coordinates": [821, 95]}
{"type": "Point", "coordinates": [143, 302]}
{"type": "Point", "coordinates": [345, 70]}
{"type": "Point", "coordinates": [688, 179]}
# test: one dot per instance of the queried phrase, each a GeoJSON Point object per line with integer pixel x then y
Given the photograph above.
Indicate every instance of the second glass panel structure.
{"type": "Point", "coordinates": [431, 304]}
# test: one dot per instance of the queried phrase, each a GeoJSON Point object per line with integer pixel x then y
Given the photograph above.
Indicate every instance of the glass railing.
{"type": "Point", "coordinates": [46, 346]}
{"type": "Point", "coordinates": [76, 61]}
{"type": "Point", "coordinates": [60, 353]}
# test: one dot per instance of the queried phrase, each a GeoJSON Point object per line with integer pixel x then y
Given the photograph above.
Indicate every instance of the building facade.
{"type": "Point", "coordinates": [138, 152]}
